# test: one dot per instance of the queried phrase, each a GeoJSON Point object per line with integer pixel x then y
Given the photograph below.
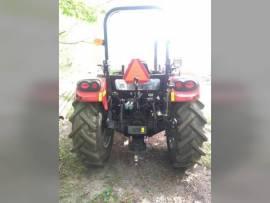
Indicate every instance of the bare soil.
{"type": "Point", "coordinates": [151, 180]}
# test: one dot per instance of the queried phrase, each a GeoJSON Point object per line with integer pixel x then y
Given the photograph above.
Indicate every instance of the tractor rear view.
{"type": "Point", "coordinates": [138, 101]}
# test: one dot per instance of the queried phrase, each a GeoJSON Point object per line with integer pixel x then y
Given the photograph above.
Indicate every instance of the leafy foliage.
{"type": "Point", "coordinates": [78, 9]}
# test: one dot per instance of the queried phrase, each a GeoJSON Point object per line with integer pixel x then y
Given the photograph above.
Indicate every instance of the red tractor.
{"type": "Point", "coordinates": [137, 102]}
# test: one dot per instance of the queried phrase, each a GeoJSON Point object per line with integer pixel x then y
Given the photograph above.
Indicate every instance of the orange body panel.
{"type": "Point", "coordinates": [187, 96]}
{"type": "Point", "coordinates": [100, 96]}
{"type": "Point", "coordinates": [184, 96]}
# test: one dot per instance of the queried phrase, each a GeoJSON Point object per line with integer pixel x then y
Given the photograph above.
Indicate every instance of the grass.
{"type": "Point", "coordinates": [69, 164]}
{"type": "Point", "coordinates": [109, 196]}
{"type": "Point", "coordinates": [67, 96]}
{"type": "Point", "coordinates": [74, 187]}
{"type": "Point", "coordinates": [69, 112]}
{"type": "Point", "coordinates": [70, 170]}
{"type": "Point", "coordinates": [70, 191]}
{"type": "Point", "coordinates": [206, 160]}
{"type": "Point", "coordinates": [106, 196]}
{"type": "Point", "coordinates": [65, 105]}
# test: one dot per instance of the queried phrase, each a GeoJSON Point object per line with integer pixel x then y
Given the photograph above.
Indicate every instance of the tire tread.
{"type": "Point", "coordinates": [188, 136]}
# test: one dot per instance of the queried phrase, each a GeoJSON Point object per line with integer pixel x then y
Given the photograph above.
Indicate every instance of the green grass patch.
{"type": "Point", "coordinates": [106, 196]}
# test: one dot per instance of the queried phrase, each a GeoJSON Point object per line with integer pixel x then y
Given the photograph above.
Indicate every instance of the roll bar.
{"type": "Point", "coordinates": [126, 8]}
{"type": "Point", "coordinates": [115, 10]}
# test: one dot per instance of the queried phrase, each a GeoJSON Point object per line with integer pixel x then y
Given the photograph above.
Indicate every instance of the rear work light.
{"type": "Point", "coordinates": [185, 86]}
{"type": "Point", "coordinates": [89, 86]}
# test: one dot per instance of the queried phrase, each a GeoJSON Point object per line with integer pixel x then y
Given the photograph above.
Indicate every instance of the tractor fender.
{"type": "Point", "coordinates": [95, 96]}
{"type": "Point", "coordinates": [185, 95]}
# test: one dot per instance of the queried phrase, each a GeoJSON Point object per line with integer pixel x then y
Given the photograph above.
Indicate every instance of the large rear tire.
{"type": "Point", "coordinates": [91, 140]}
{"type": "Point", "coordinates": [186, 138]}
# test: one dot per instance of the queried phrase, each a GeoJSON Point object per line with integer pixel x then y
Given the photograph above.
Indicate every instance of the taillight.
{"type": "Point", "coordinates": [185, 86]}
{"type": "Point", "coordinates": [190, 84]}
{"type": "Point", "coordinates": [88, 85]}
{"type": "Point", "coordinates": [84, 85]}
{"type": "Point", "coordinates": [178, 85]}
{"type": "Point", "coordinates": [94, 86]}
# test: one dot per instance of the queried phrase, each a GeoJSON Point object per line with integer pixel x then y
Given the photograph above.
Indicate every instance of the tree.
{"type": "Point", "coordinates": [78, 9]}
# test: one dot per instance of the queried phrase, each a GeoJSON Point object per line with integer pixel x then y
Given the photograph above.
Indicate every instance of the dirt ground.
{"type": "Point", "coordinates": [152, 180]}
